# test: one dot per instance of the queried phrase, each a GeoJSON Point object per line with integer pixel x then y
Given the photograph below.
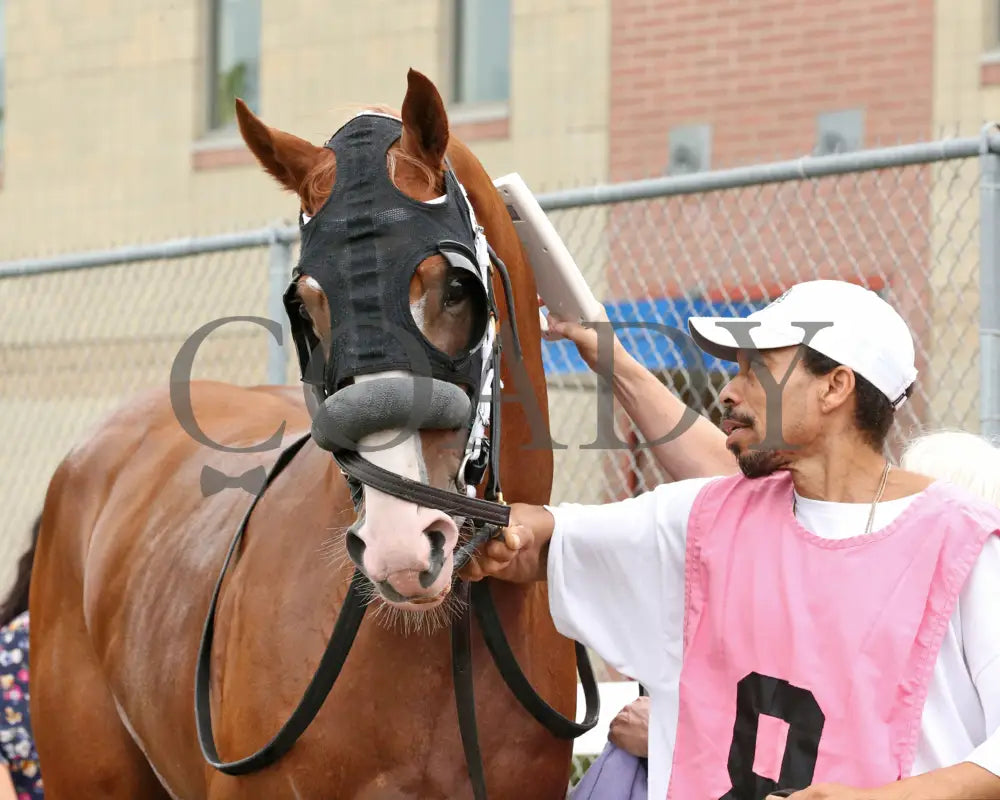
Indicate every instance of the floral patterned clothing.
{"type": "Point", "coordinates": [17, 746]}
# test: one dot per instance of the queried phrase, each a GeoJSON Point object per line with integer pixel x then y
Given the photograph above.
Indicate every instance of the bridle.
{"type": "Point", "coordinates": [486, 516]}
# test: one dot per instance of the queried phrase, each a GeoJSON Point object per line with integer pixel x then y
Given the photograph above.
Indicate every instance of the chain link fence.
{"type": "Point", "coordinates": [81, 333]}
{"type": "Point", "coordinates": [75, 343]}
{"type": "Point", "coordinates": [910, 232]}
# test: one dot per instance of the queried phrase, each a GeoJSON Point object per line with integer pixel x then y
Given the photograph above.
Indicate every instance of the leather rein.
{"type": "Point", "coordinates": [492, 514]}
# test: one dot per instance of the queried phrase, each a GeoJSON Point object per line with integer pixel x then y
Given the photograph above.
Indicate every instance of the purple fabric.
{"type": "Point", "coordinates": [615, 775]}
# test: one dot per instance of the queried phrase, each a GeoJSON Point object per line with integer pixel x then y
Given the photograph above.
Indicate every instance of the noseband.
{"type": "Point", "coordinates": [334, 430]}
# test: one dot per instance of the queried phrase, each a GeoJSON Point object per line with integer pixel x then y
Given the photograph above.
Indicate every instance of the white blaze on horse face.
{"type": "Point", "coordinates": [418, 310]}
{"type": "Point", "coordinates": [396, 533]}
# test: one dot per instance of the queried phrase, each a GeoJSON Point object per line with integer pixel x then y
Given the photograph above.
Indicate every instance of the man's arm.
{"type": "Point", "coordinates": [700, 451]}
{"type": "Point", "coordinates": [615, 572]}
{"type": "Point", "coordinates": [965, 781]}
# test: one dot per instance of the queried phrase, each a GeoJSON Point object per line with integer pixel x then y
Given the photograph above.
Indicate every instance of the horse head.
{"type": "Point", "coordinates": [395, 315]}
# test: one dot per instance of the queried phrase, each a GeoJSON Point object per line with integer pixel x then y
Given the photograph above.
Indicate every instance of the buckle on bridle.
{"type": "Point", "coordinates": [471, 472]}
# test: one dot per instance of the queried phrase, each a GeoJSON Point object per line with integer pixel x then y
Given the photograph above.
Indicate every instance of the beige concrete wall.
{"type": "Point", "coordinates": [106, 146]}
{"type": "Point", "coordinates": [966, 88]}
{"type": "Point", "coordinates": [966, 95]}
{"type": "Point", "coordinates": [105, 108]}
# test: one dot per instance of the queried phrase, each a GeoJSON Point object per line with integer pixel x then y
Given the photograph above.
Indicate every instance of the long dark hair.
{"type": "Point", "coordinates": [17, 598]}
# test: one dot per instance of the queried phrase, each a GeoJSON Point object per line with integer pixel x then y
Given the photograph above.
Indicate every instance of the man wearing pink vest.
{"type": "Point", "coordinates": [810, 621]}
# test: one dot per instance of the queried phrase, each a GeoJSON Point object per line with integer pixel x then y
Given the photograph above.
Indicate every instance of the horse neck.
{"type": "Point", "coordinates": [525, 455]}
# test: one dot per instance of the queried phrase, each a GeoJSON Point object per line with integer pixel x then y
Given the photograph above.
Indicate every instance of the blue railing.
{"type": "Point", "coordinates": [650, 343]}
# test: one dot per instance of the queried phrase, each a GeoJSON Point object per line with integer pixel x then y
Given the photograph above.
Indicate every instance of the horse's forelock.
{"type": "Point", "coordinates": [318, 182]}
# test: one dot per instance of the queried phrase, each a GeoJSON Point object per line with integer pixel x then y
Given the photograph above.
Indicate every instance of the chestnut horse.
{"type": "Point", "coordinates": [130, 551]}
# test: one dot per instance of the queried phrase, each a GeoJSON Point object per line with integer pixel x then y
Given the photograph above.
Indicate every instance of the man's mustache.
{"type": "Point", "coordinates": [738, 417]}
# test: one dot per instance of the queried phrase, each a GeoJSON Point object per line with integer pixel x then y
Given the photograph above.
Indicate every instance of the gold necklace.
{"type": "Point", "coordinates": [878, 496]}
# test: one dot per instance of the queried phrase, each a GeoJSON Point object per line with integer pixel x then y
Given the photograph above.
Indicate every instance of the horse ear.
{"type": "Point", "coordinates": [286, 157]}
{"type": "Point", "coordinates": [425, 122]}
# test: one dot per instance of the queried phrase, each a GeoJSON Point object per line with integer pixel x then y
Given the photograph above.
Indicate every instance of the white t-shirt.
{"type": "Point", "coordinates": [616, 584]}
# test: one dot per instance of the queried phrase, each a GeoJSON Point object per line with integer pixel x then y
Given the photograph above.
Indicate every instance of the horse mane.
{"type": "Point", "coordinates": [318, 182]}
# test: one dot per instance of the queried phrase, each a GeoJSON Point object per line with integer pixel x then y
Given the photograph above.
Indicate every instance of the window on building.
{"type": "Point", "coordinates": [991, 25]}
{"type": "Point", "coordinates": [234, 59]}
{"type": "Point", "coordinates": [3, 74]}
{"type": "Point", "coordinates": [840, 131]}
{"type": "Point", "coordinates": [995, 25]}
{"type": "Point", "coordinates": [481, 67]}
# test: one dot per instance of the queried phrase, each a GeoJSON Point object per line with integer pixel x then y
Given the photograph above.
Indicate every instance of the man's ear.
{"type": "Point", "coordinates": [838, 385]}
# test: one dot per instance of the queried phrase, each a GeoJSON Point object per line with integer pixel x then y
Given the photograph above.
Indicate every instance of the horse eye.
{"type": "Point", "coordinates": [457, 289]}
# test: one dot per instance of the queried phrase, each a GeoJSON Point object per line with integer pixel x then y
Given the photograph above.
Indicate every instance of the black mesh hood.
{"type": "Point", "coordinates": [363, 247]}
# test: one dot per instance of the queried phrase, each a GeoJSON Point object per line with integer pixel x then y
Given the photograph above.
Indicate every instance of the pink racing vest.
{"type": "Point", "coordinates": [807, 660]}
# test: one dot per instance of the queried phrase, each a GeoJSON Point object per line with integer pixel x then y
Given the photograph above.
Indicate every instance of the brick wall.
{"type": "Point", "coordinates": [759, 76]}
{"type": "Point", "coordinates": [760, 72]}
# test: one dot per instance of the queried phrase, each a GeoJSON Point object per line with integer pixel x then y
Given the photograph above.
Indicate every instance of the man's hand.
{"type": "Point", "coordinates": [629, 730]}
{"type": "Point", "coordinates": [519, 554]}
{"type": "Point", "coordinates": [501, 557]}
{"type": "Point", "coordinates": [585, 337]}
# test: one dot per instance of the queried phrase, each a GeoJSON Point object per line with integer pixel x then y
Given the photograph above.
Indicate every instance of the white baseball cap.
{"type": "Point", "coordinates": [848, 323]}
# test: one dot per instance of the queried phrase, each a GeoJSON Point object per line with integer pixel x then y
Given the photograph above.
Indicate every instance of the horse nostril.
{"type": "Point", "coordinates": [356, 549]}
{"type": "Point", "coordinates": [429, 575]}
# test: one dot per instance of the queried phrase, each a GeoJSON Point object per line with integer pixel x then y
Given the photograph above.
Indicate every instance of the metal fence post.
{"type": "Point", "coordinates": [989, 283]}
{"type": "Point", "coordinates": [278, 273]}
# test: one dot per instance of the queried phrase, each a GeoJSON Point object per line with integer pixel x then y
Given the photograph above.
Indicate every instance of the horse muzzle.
{"type": "Point", "coordinates": [405, 550]}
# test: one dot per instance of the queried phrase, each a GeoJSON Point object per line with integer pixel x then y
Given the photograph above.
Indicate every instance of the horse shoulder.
{"type": "Point", "coordinates": [107, 482]}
